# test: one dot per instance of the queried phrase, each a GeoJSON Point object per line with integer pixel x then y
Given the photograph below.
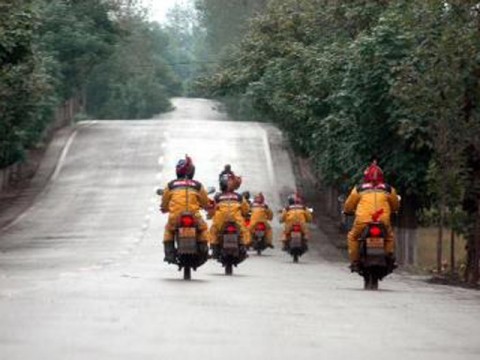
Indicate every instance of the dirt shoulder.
{"type": "Point", "coordinates": [41, 165]}
{"type": "Point", "coordinates": [328, 241]}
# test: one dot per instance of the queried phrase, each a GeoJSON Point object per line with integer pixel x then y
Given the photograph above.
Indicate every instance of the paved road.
{"type": "Point", "coordinates": [82, 277]}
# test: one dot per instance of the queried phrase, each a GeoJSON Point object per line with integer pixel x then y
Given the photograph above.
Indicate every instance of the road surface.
{"type": "Point", "coordinates": [82, 277]}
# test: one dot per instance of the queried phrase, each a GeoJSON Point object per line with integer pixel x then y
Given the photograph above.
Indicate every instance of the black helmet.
{"type": "Point", "coordinates": [246, 195]}
{"type": "Point", "coordinates": [291, 199]}
{"type": "Point", "coordinates": [223, 182]}
{"type": "Point", "coordinates": [295, 199]}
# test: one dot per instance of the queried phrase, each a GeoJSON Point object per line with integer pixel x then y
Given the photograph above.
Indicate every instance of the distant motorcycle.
{"type": "Point", "coordinates": [259, 241]}
{"type": "Point", "coordinates": [231, 251]}
{"type": "Point", "coordinates": [374, 263]}
{"type": "Point", "coordinates": [296, 243]}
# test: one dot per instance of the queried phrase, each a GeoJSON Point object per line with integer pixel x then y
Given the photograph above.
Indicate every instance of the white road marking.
{"type": "Point", "coordinates": [66, 148]}
{"type": "Point", "coordinates": [270, 170]}
{"type": "Point", "coordinates": [55, 174]}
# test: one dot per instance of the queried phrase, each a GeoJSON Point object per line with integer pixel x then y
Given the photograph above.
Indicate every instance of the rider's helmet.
{"type": "Point", "coordinates": [373, 174]}
{"type": "Point", "coordinates": [224, 182]}
{"type": "Point", "coordinates": [246, 195]}
{"type": "Point", "coordinates": [227, 169]}
{"type": "Point", "coordinates": [185, 168]}
{"type": "Point", "coordinates": [259, 198]}
{"type": "Point", "coordinates": [295, 199]}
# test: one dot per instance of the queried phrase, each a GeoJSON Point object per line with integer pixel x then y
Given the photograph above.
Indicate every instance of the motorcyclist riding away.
{"type": "Point", "coordinates": [260, 212]}
{"type": "Point", "coordinates": [227, 169]}
{"type": "Point", "coordinates": [229, 206]}
{"type": "Point", "coordinates": [372, 198]}
{"type": "Point", "coordinates": [295, 213]}
{"type": "Point", "coordinates": [180, 195]}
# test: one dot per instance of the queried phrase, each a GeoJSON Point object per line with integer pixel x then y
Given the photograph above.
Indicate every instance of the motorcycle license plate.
{"type": "Point", "coordinates": [259, 234]}
{"type": "Point", "coordinates": [295, 239]}
{"type": "Point", "coordinates": [230, 241]}
{"type": "Point", "coordinates": [375, 242]}
{"type": "Point", "coordinates": [187, 246]}
{"type": "Point", "coordinates": [187, 232]}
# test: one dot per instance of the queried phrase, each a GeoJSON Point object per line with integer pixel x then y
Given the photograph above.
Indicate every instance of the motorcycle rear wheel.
{"type": "Point", "coordinates": [370, 282]}
{"type": "Point", "coordinates": [229, 269]}
{"type": "Point", "coordinates": [187, 273]}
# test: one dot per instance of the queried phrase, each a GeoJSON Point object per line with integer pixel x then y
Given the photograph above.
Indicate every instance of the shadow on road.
{"type": "Point", "coordinates": [180, 280]}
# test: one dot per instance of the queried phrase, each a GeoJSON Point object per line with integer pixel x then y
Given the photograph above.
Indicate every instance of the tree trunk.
{"type": "Point", "coordinates": [476, 254]}
{"type": "Point", "coordinates": [407, 221]}
{"type": "Point", "coordinates": [452, 252]}
{"type": "Point", "coordinates": [439, 239]}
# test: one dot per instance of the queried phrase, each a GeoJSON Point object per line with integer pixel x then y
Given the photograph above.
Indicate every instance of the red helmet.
{"type": "Point", "coordinates": [185, 168]}
{"type": "Point", "coordinates": [373, 174]}
{"type": "Point", "coordinates": [259, 198]}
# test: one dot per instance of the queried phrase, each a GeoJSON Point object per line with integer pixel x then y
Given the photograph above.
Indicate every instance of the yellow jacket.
{"type": "Point", "coordinates": [229, 206]}
{"type": "Point", "coordinates": [184, 195]}
{"type": "Point", "coordinates": [260, 213]}
{"type": "Point", "coordinates": [366, 199]}
{"type": "Point", "coordinates": [295, 213]}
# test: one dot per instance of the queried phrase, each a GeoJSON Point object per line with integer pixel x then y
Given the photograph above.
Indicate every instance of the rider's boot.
{"type": "Point", "coordinates": [215, 251]}
{"type": "Point", "coordinates": [203, 250]}
{"type": "Point", "coordinates": [170, 252]}
{"type": "Point", "coordinates": [355, 266]}
{"type": "Point", "coordinates": [391, 261]}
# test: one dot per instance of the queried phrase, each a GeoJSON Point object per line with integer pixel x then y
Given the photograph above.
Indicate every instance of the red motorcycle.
{"type": "Point", "coordinates": [296, 243]}
{"type": "Point", "coordinates": [190, 253]}
{"type": "Point", "coordinates": [259, 241]}
{"type": "Point", "coordinates": [374, 263]}
{"type": "Point", "coordinates": [231, 252]}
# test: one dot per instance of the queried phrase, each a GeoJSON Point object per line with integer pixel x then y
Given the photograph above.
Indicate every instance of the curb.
{"type": "Point", "coordinates": [16, 205]}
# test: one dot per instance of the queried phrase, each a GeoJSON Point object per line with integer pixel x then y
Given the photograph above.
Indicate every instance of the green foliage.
{"type": "Point", "coordinates": [24, 84]}
{"type": "Point", "coordinates": [103, 52]}
{"type": "Point", "coordinates": [135, 82]}
{"type": "Point", "coordinates": [78, 36]}
{"type": "Point", "coordinates": [226, 21]}
{"type": "Point", "coordinates": [349, 80]}
{"type": "Point", "coordinates": [186, 51]}
{"type": "Point", "coordinates": [337, 77]}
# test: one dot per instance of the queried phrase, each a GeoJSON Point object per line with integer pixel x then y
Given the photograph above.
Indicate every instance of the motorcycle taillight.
{"type": "Point", "coordinates": [187, 221]}
{"type": "Point", "coordinates": [375, 231]}
{"type": "Point", "coordinates": [231, 229]}
{"type": "Point", "coordinates": [296, 228]}
{"type": "Point", "coordinates": [260, 227]}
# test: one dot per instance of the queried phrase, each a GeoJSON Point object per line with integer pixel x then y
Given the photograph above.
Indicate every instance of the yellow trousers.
{"type": "Point", "coordinates": [172, 225]}
{"type": "Point", "coordinates": [356, 232]}
{"type": "Point", "coordinates": [288, 226]}
{"type": "Point", "coordinates": [268, 232]}
{"type": "Point", "coordinates": [245, 238]}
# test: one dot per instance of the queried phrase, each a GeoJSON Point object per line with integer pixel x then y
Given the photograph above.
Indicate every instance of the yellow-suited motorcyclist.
{"type": "Point", "coordinates": [369, 200]}
{"type": "Point", "coordinates": [184, 194]}
{"type": "Point", "coordinates": [228, 206]}
{"type": "Point", "coordinates": [261, 213]}
{"type": "Point", "coordinates": [295, 213]}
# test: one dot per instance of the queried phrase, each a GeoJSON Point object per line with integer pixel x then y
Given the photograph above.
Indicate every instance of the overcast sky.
{"type": "Point", "coordinates": [159, 8]}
